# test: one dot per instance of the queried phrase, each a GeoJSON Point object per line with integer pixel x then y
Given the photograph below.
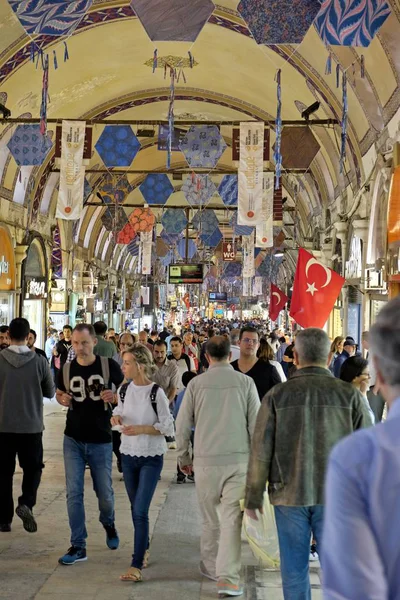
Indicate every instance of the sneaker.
{"type": "Point", "coordinates": [226, 589]}
{"type": "Point", "coordinates": [5, 527]}
{"type": "Point", "coordinates": [191, 478]}
{"type": "Point", "coordinates": [180, 480]}
{"type": "Point", "coordinates": [206, 573]}
{"type": "Point", "coordinates": [73, 555]}
{"type": "Point", "coordinates": [313, 553]}
{"type": "Point", "coordinates": [172, 446]}
{"type": "Point", "coordinates": [28, 520]}
{"type": "Point", "coordinates": [112, 538]}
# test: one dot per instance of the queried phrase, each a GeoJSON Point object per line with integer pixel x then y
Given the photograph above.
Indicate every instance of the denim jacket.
{"type": "Point", "coordinates": [297, 426]}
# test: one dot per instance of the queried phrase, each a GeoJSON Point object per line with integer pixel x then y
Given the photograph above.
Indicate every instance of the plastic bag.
{"type": "Point", "coordinates": [263, 537]}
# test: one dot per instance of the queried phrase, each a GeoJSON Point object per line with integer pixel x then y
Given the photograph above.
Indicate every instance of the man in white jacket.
{"type": "Point", "coordinates": [222, 404]}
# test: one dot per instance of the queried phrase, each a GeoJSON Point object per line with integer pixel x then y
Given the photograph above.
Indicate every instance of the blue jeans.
{"type": "Point", "coordinates": [141, 474]}
{"type": "Point", "coordinates": [99, 459]}
{"type": "Point", "coordinates": [295, 524]}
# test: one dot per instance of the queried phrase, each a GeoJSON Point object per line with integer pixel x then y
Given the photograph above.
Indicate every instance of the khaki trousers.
{"type": "Point", "coordinates": [219, 492]}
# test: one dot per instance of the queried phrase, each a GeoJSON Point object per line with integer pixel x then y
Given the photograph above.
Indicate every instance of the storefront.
{"type": "Point", "coordinates": [353, 274]}
{"type": "Point", "coordinates": [58, 316]}
{"type": "Point", "coordinates": [7, 277]}
{"type": "Point", "coordinates": [35, 289]}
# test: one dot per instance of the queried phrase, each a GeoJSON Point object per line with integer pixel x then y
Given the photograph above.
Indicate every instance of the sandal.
{"type": "Point", "coordinates": [146, 559]}
{"type": "Point", "coordinates": [133, 574]}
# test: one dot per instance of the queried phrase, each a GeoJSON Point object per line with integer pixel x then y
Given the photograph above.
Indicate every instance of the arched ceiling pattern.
{"type": "Point", "coordinates": [109, 76]}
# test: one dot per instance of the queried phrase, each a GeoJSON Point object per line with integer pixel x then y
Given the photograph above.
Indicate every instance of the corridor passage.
{"type": "Point", "coordinates": [28, 562]}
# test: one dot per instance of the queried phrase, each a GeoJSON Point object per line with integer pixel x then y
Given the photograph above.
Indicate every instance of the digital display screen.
{"type": "Point", "coordinates": [185, 274]}
{"type": "Point", "coordinates": [217, 297]}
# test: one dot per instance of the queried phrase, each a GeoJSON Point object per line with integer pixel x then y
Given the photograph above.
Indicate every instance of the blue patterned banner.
{"type": "Point", "coordinates": [50, 17]}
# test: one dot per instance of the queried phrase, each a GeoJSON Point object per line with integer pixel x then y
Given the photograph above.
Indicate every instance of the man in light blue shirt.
{"type": "Point", "coordinates": [361, 550]}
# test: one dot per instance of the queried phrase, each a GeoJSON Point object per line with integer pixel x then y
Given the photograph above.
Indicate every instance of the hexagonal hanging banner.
{"type": "Point", "coordinates": [110, 222]}
{"type": "Point", "coordinates": [28, 146]}
{"type": "Point", "coordinates": [192, 249]}
{"type": "Point", "coordinates": [240, 229]}
{"type": "Point", "coordinates": [142, 219]}
{"type": "Point", "coordinates": [156, 188]}
{"type": "Point", "coordinates": [279, 21]}
{"type": "Point", "coordinates": [174, 220]}
{"type": "Point", "coordinates": [205, 222]}
{"type": "Point", "coordinates": [198, 189]}
{"type": "Point", "coordinates": [212, 240]}
{"type": "Point", "coordinates": [173, 20]}
{"type": "Point", "coordinates": [126, 234]}
{"type": "Point", "coordinates": [117, 145]}
{"type": "Point", "coordinates": [115, 188]}
{"type": "Point", "coordinates": [299, 147]}
{"type": "Point", "coordinates": [233, 270]}
{"type": "Point", "coordinates": [203, 146]}
{"type": "Point", "coordinates": [351, 22]}
{"type": "Point", "coordinates": [229, 190]}
{"type": "Point", "coordinates": [50, 17]}
{"type": "Point", "coordinates": [133, 246]}
{"type": "Point", "coordinates": [171, 239]}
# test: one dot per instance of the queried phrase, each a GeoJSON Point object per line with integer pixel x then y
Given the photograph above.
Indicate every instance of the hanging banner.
{"type": "Point", "coordinates": [257, 286]}
{"type": "Point", "coordinates": [248, 255]}
{"type": "Point", "coordinates": [250, 174]}
{"type": "Point", "coordinates": [146, 242]}
{"type": "Point", "coordinates": [144, 295]}
{"type": "Point", "coordinates": [247, 286]}
{"type": "Point", "coordinates": [228, 252]}
{"type": "Point", "coordinates": [72, 171]}
{"type": "Point", "coordinates": [265, 227]}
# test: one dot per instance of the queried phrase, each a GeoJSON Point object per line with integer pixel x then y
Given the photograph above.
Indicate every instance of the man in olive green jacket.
{"type": "Point", "coordinates": [297, 426]}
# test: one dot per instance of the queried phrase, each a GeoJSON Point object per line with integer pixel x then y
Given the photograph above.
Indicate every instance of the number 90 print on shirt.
{"type": "Point", "coordinates": [90, 388]}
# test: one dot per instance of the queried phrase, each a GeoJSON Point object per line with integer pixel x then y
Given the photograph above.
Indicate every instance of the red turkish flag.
{"type": "Point", "coordinates": [315, 291]}
{"type": "Point", "coordinates": [276, 302]}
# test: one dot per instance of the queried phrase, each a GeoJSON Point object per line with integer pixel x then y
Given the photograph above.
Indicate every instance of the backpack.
{"type": "Point", "coordinates": [153, 394]}
{"type": "Point", "coordinates": [105, 373]}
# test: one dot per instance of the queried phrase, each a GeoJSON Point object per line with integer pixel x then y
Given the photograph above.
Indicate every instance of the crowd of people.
{"type": "Point", "coordinates": [250, 412]}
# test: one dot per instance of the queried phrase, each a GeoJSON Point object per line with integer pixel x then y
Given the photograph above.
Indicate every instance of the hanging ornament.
{"type": "Point", "coordinates": [344, 123]}
{"type": "Point", "coordinates": [55, 60]}
{"type": "Point", "coordinates": [155, 60]}
{"type": "Point", "coordinates": [191, 59]}
{"type": "Point", "coordinates": [362, 60]}
{"type": "Point", "coordinates": [337, 75]}
{"type": "Point", "coordinates": [66, 55]}
{"type": "Point", "coordinates": [278, 131]}
{"type": "Point", "coordinates": [171, 117]}
{"type": "Point", "coordinates": [328, 68]}
{"type": "Point", "coordinates": [45, 96]}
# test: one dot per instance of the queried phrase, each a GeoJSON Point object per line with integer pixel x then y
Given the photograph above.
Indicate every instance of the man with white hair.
{"type": "Point", "coordinates": [298, 424]}
{"type": "Point", "coordinates": [362, 513]}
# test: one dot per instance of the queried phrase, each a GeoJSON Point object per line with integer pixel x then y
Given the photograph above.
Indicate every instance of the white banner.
{"type": "Point", "coordinates": [146, 242]}
{"type": "Point", "coordinates": [265, 228]}
{"type": "Point", "coordinates": [250, 174]}
{"type": "Point", "coordinates": [72, 171]}
{"type": "Point", "coordinates": [145, 295]}
{"type": "Point", "coordinates": [257, 286]}
{"type": "Point", "coordinates": [246, 286]}
{"type": "Point", "coordinates": [248, 255]}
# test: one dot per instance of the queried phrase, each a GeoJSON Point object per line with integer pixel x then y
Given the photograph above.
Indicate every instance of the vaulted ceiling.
{"type": "Point", "coordinates": [110, 76]}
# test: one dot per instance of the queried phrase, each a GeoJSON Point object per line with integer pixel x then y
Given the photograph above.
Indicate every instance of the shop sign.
{"type": "Point", "coordinates": [99, 306]}
{"type": "Point", "coordinates": [35, 288]}
{"type": "Point", "coordinates": [354, 264]}
{"type": "Point", "coordinates": [7, 262]}
{"type": "Point", "coordinates": [59, 296]}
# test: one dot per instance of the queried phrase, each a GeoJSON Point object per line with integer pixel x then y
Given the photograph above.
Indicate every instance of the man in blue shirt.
{"type": "Point", "coordinates": [362, 501]}
{"type": "Point", "coordinates": [349, 349]}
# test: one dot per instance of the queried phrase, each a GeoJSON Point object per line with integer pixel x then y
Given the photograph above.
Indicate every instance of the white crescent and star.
{"type": "Point", "coordinates": [311, 289]}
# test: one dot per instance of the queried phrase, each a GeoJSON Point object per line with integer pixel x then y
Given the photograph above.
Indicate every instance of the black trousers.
{"type": "Point", "coordinates": [116, 442]}
{"type": "Point", "coordinates": [29, 449]}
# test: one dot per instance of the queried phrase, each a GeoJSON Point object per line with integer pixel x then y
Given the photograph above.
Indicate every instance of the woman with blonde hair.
{"type": "Point", "coordinates": [143, 418]}
{"type": "Point", "coordinates": [336, 350]}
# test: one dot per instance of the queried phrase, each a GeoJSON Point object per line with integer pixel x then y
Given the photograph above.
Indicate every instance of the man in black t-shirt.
{"type": "Point", "coordinates": [32, 341]}
{"type": "Point", "coordinates": [264, 375]}
{"type": "Point", "coordinates": [84, 385]}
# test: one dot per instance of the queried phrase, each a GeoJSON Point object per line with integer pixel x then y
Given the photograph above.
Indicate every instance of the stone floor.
{"type": "Point", "coordinates": [28, 562]}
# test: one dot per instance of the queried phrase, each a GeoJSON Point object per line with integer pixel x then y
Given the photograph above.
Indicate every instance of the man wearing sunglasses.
{"type": "Point", "coordinates": [264, 375]}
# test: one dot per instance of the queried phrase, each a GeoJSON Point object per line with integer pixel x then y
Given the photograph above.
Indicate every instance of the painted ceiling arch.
{"type": "Point", "coordinates": [109, 75]}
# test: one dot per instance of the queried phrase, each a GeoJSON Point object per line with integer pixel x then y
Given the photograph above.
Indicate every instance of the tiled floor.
{"type": "Point", "coordinates": [28, 562]}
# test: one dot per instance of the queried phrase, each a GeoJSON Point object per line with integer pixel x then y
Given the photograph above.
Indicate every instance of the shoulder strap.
{"type": "Point", "coordinates": [122, 391]}
{"type": "Point", "coordinates": [66, 372]}
{"type": "Point", "coordinates": [105, 370]}
{"type": "Point", "coordinates": [153, 396]}
{"type": "Point", "coordinates": [187, 360]}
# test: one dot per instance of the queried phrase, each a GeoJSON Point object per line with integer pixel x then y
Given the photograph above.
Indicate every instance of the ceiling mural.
{"type": "Point", "coordinates": [120, 55]}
